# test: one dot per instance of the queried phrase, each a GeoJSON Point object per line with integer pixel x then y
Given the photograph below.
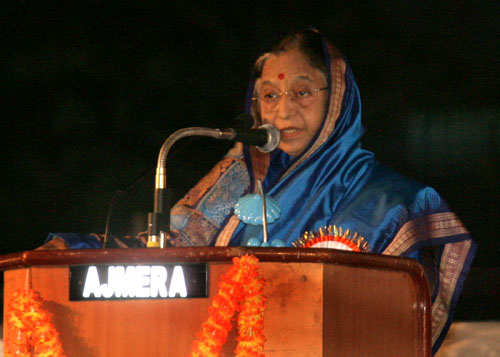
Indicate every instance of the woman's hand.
{"type": "Point", "coordinates": [54, 243]}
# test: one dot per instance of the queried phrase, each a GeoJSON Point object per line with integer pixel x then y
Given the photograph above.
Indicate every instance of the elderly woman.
{"type": "Point", "coordinates": [320, 176]}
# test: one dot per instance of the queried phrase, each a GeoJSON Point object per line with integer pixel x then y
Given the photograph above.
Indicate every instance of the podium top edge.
{"type": "Point", "coordinates": [34, 258]}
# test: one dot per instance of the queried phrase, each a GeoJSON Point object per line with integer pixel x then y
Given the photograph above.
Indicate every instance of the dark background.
{"type": "Point", "coordinates": [91, 89]}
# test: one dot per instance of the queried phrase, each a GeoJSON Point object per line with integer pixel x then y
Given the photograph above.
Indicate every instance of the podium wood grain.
{"type": "Point", "coordinates": [329, 307]}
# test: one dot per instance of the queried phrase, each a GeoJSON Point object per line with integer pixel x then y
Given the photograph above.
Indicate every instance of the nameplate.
{"type": "Point", "coordinates": [132, 282]}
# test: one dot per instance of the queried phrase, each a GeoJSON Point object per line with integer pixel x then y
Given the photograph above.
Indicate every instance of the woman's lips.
{"type": "Point", "coordinates": [289, 133]}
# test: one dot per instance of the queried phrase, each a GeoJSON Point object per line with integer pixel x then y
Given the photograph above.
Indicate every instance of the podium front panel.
{"type": "Point", "coordinates": [312, 310]}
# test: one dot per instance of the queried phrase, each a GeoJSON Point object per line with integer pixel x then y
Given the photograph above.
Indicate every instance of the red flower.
{"type": "Point", "coordinates": [37, 336]}
{"type": "Point", "coordinates": [241, 290]}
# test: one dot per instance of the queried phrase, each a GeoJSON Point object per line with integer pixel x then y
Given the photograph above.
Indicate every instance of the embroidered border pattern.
{"type": "Point", "coordinates": [452, 263]}
{"type": "Point", "coordinates": [435, 226]}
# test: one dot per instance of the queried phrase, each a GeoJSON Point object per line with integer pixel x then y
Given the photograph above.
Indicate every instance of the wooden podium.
{"type": "Point", "coordinates": [320, 302]}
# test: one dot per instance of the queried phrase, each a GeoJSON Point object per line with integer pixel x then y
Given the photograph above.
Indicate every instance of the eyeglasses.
{"type": "Point", "coordinates": [303, 96]}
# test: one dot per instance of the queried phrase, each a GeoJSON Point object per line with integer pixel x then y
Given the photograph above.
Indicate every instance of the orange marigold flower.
{"type": "Point", "coordinates": [241, 290]}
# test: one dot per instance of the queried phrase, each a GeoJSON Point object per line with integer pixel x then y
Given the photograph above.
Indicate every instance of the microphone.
{"type": "Point", "coordinates": [266, 137]}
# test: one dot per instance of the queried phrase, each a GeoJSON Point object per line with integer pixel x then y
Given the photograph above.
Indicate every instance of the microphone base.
{"type": "Point", "coordinates": [158, 224]}
{"type": "Point", "coordinates": [153, 244]}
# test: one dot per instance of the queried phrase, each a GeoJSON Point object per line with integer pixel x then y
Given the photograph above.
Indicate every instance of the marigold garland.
{"type": "Point", "coordinates": [32, 324]}
{"type": "Point", "coordinates": [240, 290]}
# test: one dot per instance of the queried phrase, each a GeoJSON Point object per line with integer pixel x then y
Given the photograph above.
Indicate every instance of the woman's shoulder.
{"type": "Point", "coordinates": [384, 181]}
{"type": "Point", "coordinates": [386, 193]}
{"type": "Point", "coordinates": [383, 202]}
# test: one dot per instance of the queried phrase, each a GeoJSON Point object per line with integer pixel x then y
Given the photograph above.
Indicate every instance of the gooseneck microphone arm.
{"type": "Point", "coordinates": [159, 219]}
{"type": "Point", "coordinates": [266, 138]}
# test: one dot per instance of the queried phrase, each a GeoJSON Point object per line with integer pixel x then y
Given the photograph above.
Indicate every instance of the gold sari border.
{"type": "Point", "coordinates": [226, 234]}
{"type": "Point", "coordinates": [435, 226]}
{"type": "Point", "coordinates": [452, 264]}
{"type": "Point", "coordinates": [453, 258]}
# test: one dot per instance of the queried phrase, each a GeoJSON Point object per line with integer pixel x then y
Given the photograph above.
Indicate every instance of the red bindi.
{"type": "Point", "coordinates": [281, 75]}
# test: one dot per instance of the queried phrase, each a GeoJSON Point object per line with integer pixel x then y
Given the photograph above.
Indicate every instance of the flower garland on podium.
{"type": "Point", "coordinates": [240, 290]}
{"type": "Point", "coordinates": [32, 325]}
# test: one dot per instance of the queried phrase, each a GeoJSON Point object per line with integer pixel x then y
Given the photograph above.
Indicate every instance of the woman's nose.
{"type": "Point", "coordinates": [286, 106]}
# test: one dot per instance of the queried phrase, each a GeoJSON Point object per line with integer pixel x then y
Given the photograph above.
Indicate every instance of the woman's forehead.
{"type": "Point", "coordinates": [300, 78]}
{"type": "Point", "coordinates": [289, 66]}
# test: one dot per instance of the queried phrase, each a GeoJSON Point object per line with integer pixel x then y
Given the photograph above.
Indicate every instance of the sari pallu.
{"type": "Point", "coordinates": [334, 181]}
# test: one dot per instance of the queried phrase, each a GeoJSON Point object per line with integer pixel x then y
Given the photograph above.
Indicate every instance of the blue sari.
{"type": "Point", "coordinates": [334, 182]}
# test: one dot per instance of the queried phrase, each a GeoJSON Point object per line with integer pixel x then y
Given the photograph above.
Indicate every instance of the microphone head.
{"type": "Point", "coordinates": [273, 138]}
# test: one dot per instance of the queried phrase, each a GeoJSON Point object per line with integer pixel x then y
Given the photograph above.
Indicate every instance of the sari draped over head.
{"type": "Point", "coordinates": [334, 182]}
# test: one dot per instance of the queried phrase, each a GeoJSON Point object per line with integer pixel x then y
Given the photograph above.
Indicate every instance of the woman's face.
{"type": "Point", "coordinates": [298, 115]}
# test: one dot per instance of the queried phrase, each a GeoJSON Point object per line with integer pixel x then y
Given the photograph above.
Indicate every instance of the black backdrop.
{"type": "Point", "coordinates": [92, 89]}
